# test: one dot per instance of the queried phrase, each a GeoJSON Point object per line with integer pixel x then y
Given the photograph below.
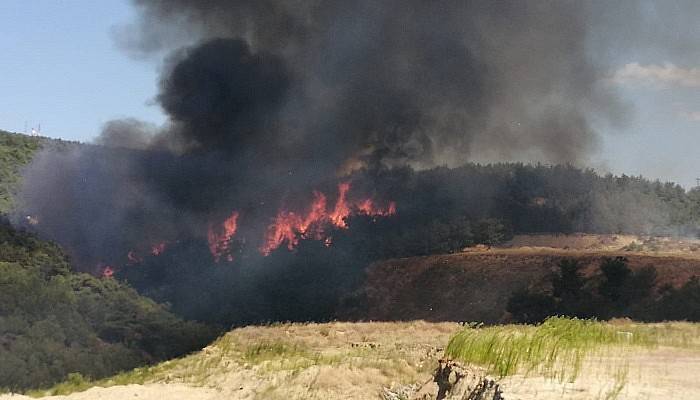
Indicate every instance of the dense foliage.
{"type": "Point", "coordinates": [306, 284]}
{"type": "Point", "coordinates": [614, 291]}
{"type": "Point", "coordinates": [438, 211]}
{"type": "Point", "coordinates": [540, 198]}
{"type": "Point", "coordinates": [15, 151]}
{"type": "Point", "coordinates": [54, 322]}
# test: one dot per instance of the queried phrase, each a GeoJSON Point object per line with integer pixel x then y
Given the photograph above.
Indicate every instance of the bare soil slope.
{"type": "Point", "coordinates": [387, 361]}
{"type": "Point", "coordinates": [289, 361]}
{"type": "Point", "coordinates": [475, 285]}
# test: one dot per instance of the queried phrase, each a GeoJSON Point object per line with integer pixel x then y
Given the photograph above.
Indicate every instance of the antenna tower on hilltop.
{"type": "Point", "coordinates": [36, 131]}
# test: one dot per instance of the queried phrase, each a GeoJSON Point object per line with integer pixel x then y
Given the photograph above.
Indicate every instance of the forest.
{"type": "Point", "coordinates": [55, 320]}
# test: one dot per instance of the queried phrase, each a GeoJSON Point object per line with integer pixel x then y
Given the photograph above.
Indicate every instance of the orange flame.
{"type": "Point", "coordinates": [219, 242]}
{"type": "Point", "coordinates": [158, 249]}
{"type": "Point", "coordinates": [108, 272]}
{"type": "Point", "coordinates": [290, 228]}
{"type": "Point", "coordinates": [341, 210]}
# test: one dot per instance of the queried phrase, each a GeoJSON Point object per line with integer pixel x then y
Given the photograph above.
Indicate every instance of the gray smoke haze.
{"type": "Point", "coordinates": [267, 99]}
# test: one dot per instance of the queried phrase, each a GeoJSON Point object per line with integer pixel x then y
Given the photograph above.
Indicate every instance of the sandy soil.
{"type": "Point", "coordinates": [142, 392]}
{"type": "Point", "coordinates": [664, 373]}
{"type": "Point", "coordinates": [337, 360]}
{"type": "Point", "coordinates": [360, 360]}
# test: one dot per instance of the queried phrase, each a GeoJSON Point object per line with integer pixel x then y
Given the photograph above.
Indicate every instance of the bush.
{"type": "Point", "coordinates": [55, 324]}
{"type": "Point", "coordinates": [616, 291]}
{"type": "Point", "coordinates": [680, 304]}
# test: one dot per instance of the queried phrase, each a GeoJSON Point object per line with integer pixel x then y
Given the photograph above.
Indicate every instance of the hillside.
{"type": "Point", "coordinates": [54, 322]}
{"type": "Point", "coordinates": [16, 151]}
{"type": "Point", "coordinates": [430, 261]}
{"type": "Point", "coordinates": [475, 285]}
{"type": "Point", "coordinates": [392, 361]}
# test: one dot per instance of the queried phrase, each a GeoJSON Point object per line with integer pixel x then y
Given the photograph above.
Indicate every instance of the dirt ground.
{"type": "Point", "coordinates": [143, 392]}
{"type": "Point", "coordinates": [361, 360]}
{"type": "Point", "coordinates": [664, 373]}
{"type": "Point", "coordinates": [293, 361]}
{"type": "Point", "coordinates": [474, 285]}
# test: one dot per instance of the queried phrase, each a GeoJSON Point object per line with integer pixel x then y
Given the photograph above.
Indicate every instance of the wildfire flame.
{"type": "Point", "coordinates": [134, 257]}
{"type": "Point", "coordinates": [108, 272]}
{"type": "Point", "coordinates": [158, 249]}
{"type": "Point", "coordinates": [290, 227]}
{"type": "Point", "coordinates": [287, 227]}
{"type": "Point", "coordinates": [220, 239]}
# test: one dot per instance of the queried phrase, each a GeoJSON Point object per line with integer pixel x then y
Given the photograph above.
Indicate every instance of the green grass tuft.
{"type": "Point", "coordinates": [556, 347]}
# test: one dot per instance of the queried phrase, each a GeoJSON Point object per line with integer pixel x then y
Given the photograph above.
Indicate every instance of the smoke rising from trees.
{"type": "Point", "coordinates": [268, 100]}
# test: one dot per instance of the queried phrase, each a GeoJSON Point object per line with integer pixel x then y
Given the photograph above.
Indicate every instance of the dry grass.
{"type": "Point", "coordinates": [356, 360]}
{"type": "Point", "coordinates": [304, 361]}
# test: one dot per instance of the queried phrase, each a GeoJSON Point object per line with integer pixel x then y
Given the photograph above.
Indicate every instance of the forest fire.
{"type": "Point", "coordinates": [290, 227]}
{"type": "Point", "coordinates": [158, 248]}
{"type": "Point", "coordinates": [287, 228]}
{"type": "Point", "coordinates": [220, 239]}
{"type": "Point", "coordinates": [108, 272]}
{"type": "Point", "coordinates": [134, 257]}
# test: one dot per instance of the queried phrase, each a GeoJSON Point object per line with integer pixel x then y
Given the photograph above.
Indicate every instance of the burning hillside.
{"type": "Point", "coordinates": [295, 131]}
{"type": "Point", "coordinates": [286, 229]}
{"type": "Point", "coordinates": [269, 102]}
{"type": "Point", "coordinates": [290, 227]}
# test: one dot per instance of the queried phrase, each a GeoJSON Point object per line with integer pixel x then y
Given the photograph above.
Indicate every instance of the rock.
{"type": "Point", "coordinates": [452, 381]}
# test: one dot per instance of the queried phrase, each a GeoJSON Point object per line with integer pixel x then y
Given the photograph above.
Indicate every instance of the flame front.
{"type": "Point", "coordinates": [290, 227]}
{"type": "Point", "coordinates": [220, 239]}
{"type": "Point", "coordinates": [108, 272]}
{"type": "Point", "coordinates": [341, 210]}
{"type": "Point", "coordinates": [159, 248]}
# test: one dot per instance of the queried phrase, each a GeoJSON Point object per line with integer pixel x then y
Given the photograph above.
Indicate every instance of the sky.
{"type": "Point", "coordinates": [61, 68]}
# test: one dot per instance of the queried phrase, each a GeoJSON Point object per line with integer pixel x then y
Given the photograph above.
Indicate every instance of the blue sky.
{"type": "Point", "coordinates": [62, 69]}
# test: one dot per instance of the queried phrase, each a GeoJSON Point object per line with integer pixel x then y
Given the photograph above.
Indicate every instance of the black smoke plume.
{"type": "Point", "coordinates": [268, 99]}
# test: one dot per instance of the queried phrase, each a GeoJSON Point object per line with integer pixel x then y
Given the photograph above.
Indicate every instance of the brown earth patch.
{"type": "Point", "coordinates": [476, 285]}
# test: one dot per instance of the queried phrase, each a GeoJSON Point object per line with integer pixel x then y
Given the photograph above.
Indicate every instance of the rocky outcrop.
{"type": "Point", "coordinates": [451, 381]}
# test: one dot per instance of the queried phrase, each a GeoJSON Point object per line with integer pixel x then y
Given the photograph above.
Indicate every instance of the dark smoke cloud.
{"type": "Point", "coordinates": [222, 97]}
{"type": "Point", "coordinates": [412, 81]}
{"type": "Point", "coordinates": [268, 99]}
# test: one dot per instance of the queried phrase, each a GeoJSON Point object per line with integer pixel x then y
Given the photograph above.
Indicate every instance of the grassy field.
{"type": "Point", "coordinates": [363, 360]}
{"type": "Point", "coordinates": [322, 361]}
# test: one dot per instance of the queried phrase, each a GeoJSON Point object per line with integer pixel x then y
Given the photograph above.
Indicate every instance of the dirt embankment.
{"type": "Point", "coordinates": [475, 285]}
{"type": "Point", "coordinates": [391, 361]}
